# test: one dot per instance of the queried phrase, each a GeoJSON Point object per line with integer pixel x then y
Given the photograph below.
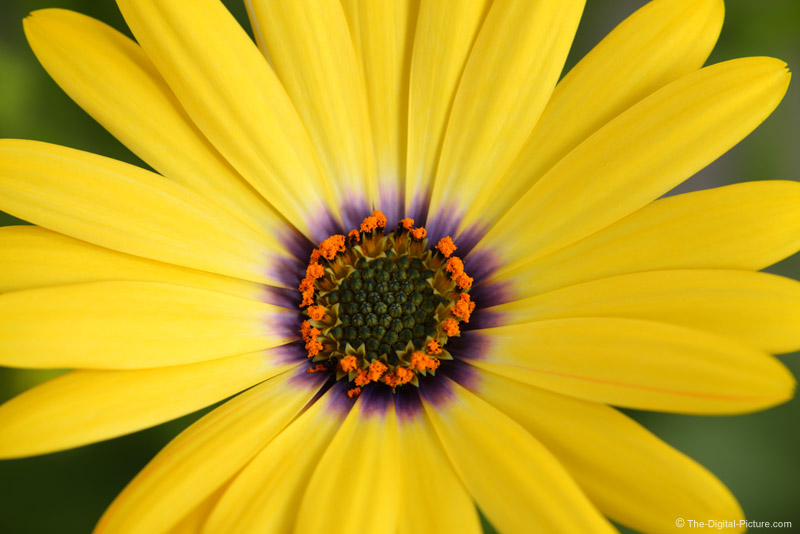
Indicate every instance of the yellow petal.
{"type": "Point", "coordinates": [507, 80]}
{"type": "Point", "coordinates": [229, 91]}
{"type": "Point", "coordinates": [125, 208]}
{"type": "Point", "coordinates": [207, 454]}
{"type": "Point", "coordinates": [355, 485]}
{"type": "Point", "coordinates": [433, 500]}
{"type": "Point", "coordinates": [658, 44]}
{"type": "Point", "coordinates": [266, 495]}
{"type": "Point", "coordinates": [193, 522]}
{"type": "Point", "coordinates": [32, 257]}
{"type": "Point", "coordinates": [83, 407]}
{"type": "Point", "coordinates": [111, 78]}
{"type": "Point", "coordinates": [312, 53]}
{"type": "Point", "coordinates": [128, 325]}
{"type": "Point", "coordinates": [515, 481]}
{"type": "Point", "coordinates": [638, 364]}
{"type": "Point", "coordinates": [443, 38]}
{"type": "Point", "coordinates": [640, 155]}
{"type": "Point", "coordinates": [756, 308]}
{"type": "Point", "coordinates": [383, 36]}
{"type": "Point", "coordinates": [744, 226]}
{"type": "Point", "coordinates": [631, 475]}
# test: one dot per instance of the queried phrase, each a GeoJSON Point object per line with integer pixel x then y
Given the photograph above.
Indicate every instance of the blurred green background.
{"type": "Point", "coordinates": [755, 455]}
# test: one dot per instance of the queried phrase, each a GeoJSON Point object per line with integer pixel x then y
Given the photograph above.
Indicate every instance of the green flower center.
{"type": "Point", "coordinates": [382, 307]}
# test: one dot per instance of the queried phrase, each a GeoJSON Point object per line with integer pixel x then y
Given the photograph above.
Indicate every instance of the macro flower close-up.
{"type": "Point", "coordinates": [422, 270]}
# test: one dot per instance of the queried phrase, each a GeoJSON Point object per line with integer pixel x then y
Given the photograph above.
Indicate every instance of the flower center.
{"type": "Point", "coordinates": [382, 306]}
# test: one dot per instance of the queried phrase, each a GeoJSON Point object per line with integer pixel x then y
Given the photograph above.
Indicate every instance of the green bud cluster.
{"type": "Point", "coordinates": [384, 303]}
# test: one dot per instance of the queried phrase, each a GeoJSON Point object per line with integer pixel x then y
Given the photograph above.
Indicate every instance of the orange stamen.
{"type": "Point", "coordinates": [353, 392]}
{"type": "Point", "coordinates": [433, 347]}
{"type": "Point", "coordinates": [317, 368]}
{"type": "Point", "coordinates": [355, 235]}
{"type": "Point", "coordinates": [464, 281]}
{"type": "Point", "coordinates": [446, 246]}
{"type": "Point", "coordinates": [361, 379]}
{"type": "Point", "coordinates": [348, 363]}
{"type": "Point", "coordinates": [451, 327]}
{"type": "Point", "coordinates": [308, 297]}
{"type": "Point", "coordinates": [421, 362]}
{"type": "Point", "coordinates": [463, 308]}
{"type": "Point", "coordinates": [455, 267]}
{"type": "Point", "coordinates": [376, 370]}
{"type": "Point", "coordinates": [404, 375]}
{"type": "Point", "coordinates": [419, 233]}
{"type": "Point", "coordinates": [316, 312]}
{"type": "Point", "coordinates": [391, 380]}
{"type": "Point", "coordinates": [314, 271]}
{"type": "Point", "coordinates": [331, 246]}
{"type": "Point", "coordinates": [408, 224]}
{"type": "Point", "coordinates": [305, 330]}
{"type": "Point", "coordinates": [369, 224]}
{"type": "Point", "coordinates": [380, 218]}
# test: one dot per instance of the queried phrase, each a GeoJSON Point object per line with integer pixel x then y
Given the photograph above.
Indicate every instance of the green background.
{"type": "Point", "coordinates": [755, 455]}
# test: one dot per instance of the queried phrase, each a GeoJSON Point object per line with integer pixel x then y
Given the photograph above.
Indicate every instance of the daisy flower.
{"type": "Point", "coordinates": [426, 270]}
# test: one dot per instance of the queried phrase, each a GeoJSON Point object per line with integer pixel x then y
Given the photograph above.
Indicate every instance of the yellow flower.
{"type": "Point", "coordinates": [432, 267]}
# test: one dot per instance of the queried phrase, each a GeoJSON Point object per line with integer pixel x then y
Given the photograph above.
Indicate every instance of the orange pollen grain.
{"type": "Point", "coordinates": [419, 233]}
{"type": "Point", "coordinates": [354, 234]}
{"type": "Point", "coordinates": [308, 297]}
{"type": "Point", "coordinates": [369, 224]}
{"type": "Point", "coordinates": [353, 392]}
{"type": "Point", "coordinates": [421, 362]}
{"type": "Point", "coordinates": [313, 347]}
{"type": "Point", "coordinates": [315, 271]}
{"type": "Point", "coordinates": [446, 246]}
{"type": "Point", "coordinates": [464, 281]}
{"type": "Point", "coordinates": [433, 347]}
{"type": "Point", "coordinates": [451, 327]}
{"type": "Point", "coordinates": [455, 267]}
{"type": "Point", "coordinates": [463, 308]}
{"type": "Point", "coordinates": [331, 246]}
{"type": "Point", "coordinates": [380, 218]}
{"type": "Point", "coordinates": [376, 370]}
{"type": "Point", "coordinates": [391, 380]}
{"type": "Point", "coordinates": [305, 330]}
{"type": "Point", "coordinates": [348, 363]}
{"type": "Point", "coordinates": [408, 224]}
{"type": "Point", "coordinates": [316, 312]}
{"type": "Point", "coordinates": [317, 368]}
{"type": "Point", "coordinates": [361, 378]}
{"type": "Point", "coordinates": [404, 375]}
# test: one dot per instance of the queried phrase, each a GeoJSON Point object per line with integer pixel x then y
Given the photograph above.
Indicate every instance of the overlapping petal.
{"type": "Point", "coordinates": [637, 364]}
{"type": "Point", "coordinates": [206, 455]}
{"type": "Point", "coordinates": [122, 207]}
{"type": "Point", "coordinates": [236, 100]}
{"type": "Point", "coordinates": [631, 475]}
{"type": "Point", "coordinates": [744, 226]}
{"type": "Point", "coordinates": [640, 155]}
{"type": "Point", "coordinates": [31, 257]}
{"type": "Point", "coordinates": [133, 325]}
{"type": "Point", "coordinates": [757, 308]}
{"type": "Point", "coordinates": [115, 82]}
{"type": "Point", "coordinates": [514, 480]}
{"type": "Point", "coordinates": [312, 53]}
{"type": "Point", "coordinates": [658, 44]}
{"type": "Point", "coordinates": [85, 406]}
{"type": "Point", "coordinates": [266, 495]}
{"type": "Point", "coordinates": [356, 466]}
{"type": "Point", "coordinates": [509, 76]}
